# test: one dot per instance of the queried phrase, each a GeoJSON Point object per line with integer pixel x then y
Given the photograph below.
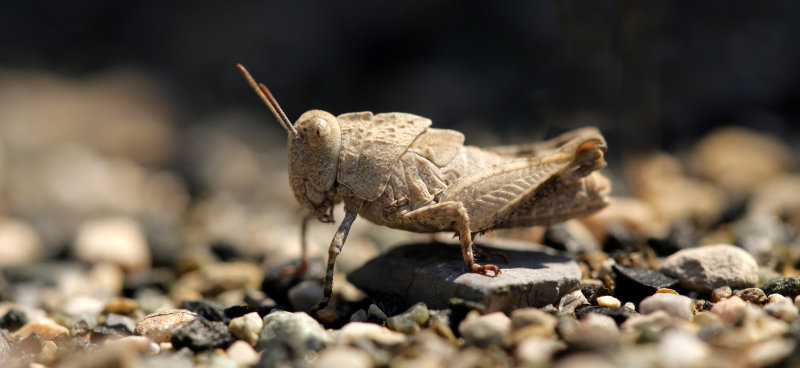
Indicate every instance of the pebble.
{"type": "Point", "coordinates": [485, 330]}
{"type": "Point", "coordinates": [243, 353]}
{"type": "Point", "coordinates": [211, 279]}
{"type": "Point", "coordinates": [83, 304]}
{"type": "Point", "coordinates": [435, 273]}
{"type": "Point", "coordinates": [159, 326]}
{"type": "Point", "coordinates": [788, 286]}
{"type": "Point", "coordinates": [139, 344]}
{"type": "Point", "coordinates": [636, 284]}
{"type": "Point", "coordinates": [118, 321]}
{"type": "Point", "coordinates": [729, 309]}
{"type": "Point", "coordinates": [608, 301]}
{"type": "Point", "coordinates": [359, 316]}
{"type": "Point", "coordinates": [118, 240]}
{"type": "Point", "coordinates": [375, 314]}
{"type": "Point", "coordinates": [297, 330]}
{"type": "Point", "coordinates": [653, 323]}
{"type": "Point", "coordinates": [570, 302]}
{"type": "Point", "coordinates": [46, 327]}
{"type": "Point", "coordinates": [592, 288]}
{"type": "Point", "coordinates": [201, 334]}
{"type": "Point", "coordinates": [211, 311]}
{"type": "Point", "coordinates": [722, 292]}
{"type": "Point", "coordinates": [121, 305]}
{"type": "Point", "coordinates": [708, 267]}
{"type": "Point", "coordinates": [247, 327]}
{"type": "Point", "coordinates": [752, 295]}
{"type": "Point", "coordinates": [676, 305]}
{"type": "Point", "coordinates": [19, 243]}
{"type": "Point", "coordinates": [411, 320]}
{"type": "Point", "coordinates": [533, 321]}
{"type": "Point", "coordinates": [619, 314]}
{"type": "Point", "coordinates": [679, 348]}
{"type": "Point", "coordinates": [783, 309]}
{"type": "Point", "coordinates": [343, 356]}
{"type": "Point", "coordinates": [354, 332]}
{"type": "Point", "coordinates": [537, 351]}
{"type": "Point", "coordinates": [571, 236]}
{"type": "Point", "coordinates": [770, 353]}
{"type": "Point", "coordinates": [594, 332]}
{"type": "Point", "coordinates": [305, 295]}
{"type": "Point", "coordinates": [13, 319]}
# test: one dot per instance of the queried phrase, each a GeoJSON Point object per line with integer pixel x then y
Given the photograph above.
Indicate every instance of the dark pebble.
{"type": "Point", "coordinates": [226, 252]}
{"type": "Point", "coordinates": [634, 284]}
{"type": "Point", "coordinates": [703, 305]}
{"type": "Point", "coordinates": [120, 323]}
{"type": "Point", "coordinates": [13, 319]}
{"type": "Point", "coordinates": [619, 239]}
{"type": "Point", "coordinates": [208, 310]}
{"type": "Point", "coordinates": [592, 291]}
{"type": "Point", "coordinates": [788, 286]}
{"type": "Point", "coordinates": [101, 334]}
{"type": "Point", "coordinates": [202, 334]}
{"type": "Point", "coordinates": [560, 237]}
{"type": "Point", "coordinates": [240, 310]}
{"type": "Point", "coordinates": [681, 236]}
{"type": "Point", "coordinates": [277, 354]}
{"type": "Point", "coordinates": [619, 314]}
{"type": "Point", "coordinates": [158, 278]}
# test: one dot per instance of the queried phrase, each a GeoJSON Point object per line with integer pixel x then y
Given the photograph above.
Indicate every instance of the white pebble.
{"type": "Point", "coordinates": [608, 301]}
{"type": "Point", "coordinates": [676, 305]}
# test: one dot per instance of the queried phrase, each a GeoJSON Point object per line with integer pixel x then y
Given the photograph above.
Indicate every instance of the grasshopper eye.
{"type": "Point", "coordinates": [318, 132]}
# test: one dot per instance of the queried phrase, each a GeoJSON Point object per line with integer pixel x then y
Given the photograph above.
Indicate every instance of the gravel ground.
{"type": "Point", "coordinates": [127, 242]}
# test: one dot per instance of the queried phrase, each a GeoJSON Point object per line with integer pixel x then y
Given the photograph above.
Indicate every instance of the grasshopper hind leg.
{"type": "Point", "coordinates": [452, 215]}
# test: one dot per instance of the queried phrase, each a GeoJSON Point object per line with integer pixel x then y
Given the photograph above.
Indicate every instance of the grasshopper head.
{"type": "Point", "coordinates": [314, 161]}
{"type": "Point", "coordinates": [314, 144]}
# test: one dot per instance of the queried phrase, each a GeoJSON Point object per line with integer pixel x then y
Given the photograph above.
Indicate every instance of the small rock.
{"type": "Point", "coordinates": [19, 243]}
{"type": "Point", "coordinates": [83, 304]}
{"type": "Point", "coordinates": [297, 330]}
{"type": "Point", "coordinates": [570, 302]}
{"type": "Point", "coordinates": [636, 284]}
{"type": "Point", "coordinates": [159, 326]}
{"type": "Point", "coordinates": [139, 344]}
{"type": "Point", "coordinates": [343, 356]}
{"type": "Point", "coordinates": [305, 295]}
{"type": "Point", "coordinates": [752, 295]}
{"type": "Point", "coordinates": [619, 314]}
{"type": "Point", "coordinates": [243, 353]}
{"type": "Point", "coordinates": [247, 327]}
{"type": "Point", "coordinates": [120, 305]}
{"type": "Point", "coordinates": [120, 322]}
{"type": "Point", "coordinates": [729, 309]}
{"type": "Point", "coordinates": [537, 351]}
{"type": "Point", "coordinates": [707, 318]}
{"type": "Point", "coordinates": [375, 314]}
{"type": "Point", "coordinates": [709, 267]}
{"type": "Point", "coordinates": [608, 301]}
{"type": "Point", "coordinates": [592, 288]}
{"type": "Point", "coordinates": [533, 320]}
{"type": "Point", "coordinates": [676, 305]}
{"type": "Point", "coordinates": [652, 323]}
{"type": "Point", "coordinates": [486, 330]}
{"type": "Point", "coordinates": [208, 310]}
{"type": "Point", "coordinates": [788, 286]}
{"type": "Point", "coordinates": [571, 236]}
{"type": "Point", "coordinates": [213, 279]}
{"type": "Point", "coordinates": [594, 332]}
{"type": "Point", "coordinates": [679, 348]}
{"type": "Point", "coordinates": [411, 320]}
{"type": "Point", "coordinates": [752, 326]}
{"type": "Point", "coordinates": [783, 309]}
{"type": "Point", "coordinates": [45, 327]}
{"type": "Point", "coordinates": [354, 332]}
{"type": "Point", "coordinates": [434, 274]}
{"type": "Point", "coordinates": [13, 319]}
{"type": "Point", "coordinates": [201, 334]}
{"type": "Point", "coordinates": [722, 292]}
{"type": "Point", "coordinates": [359, 316]}
{"type": "Point", "coordinates": [770, 353]}
{"type": "Point", "coordinates": [118, 240]}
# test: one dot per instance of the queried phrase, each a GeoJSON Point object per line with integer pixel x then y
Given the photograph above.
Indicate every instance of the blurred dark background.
{"type": "Point", "coordinates": [651, 74]}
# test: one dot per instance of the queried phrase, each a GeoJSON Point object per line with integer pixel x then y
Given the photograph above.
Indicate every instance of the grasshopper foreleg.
{"type": "Point", "coordinates": [336, 246]}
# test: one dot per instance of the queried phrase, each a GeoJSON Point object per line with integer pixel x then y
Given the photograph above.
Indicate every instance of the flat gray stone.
{"type": "Point", "coordinates": [434, 273]}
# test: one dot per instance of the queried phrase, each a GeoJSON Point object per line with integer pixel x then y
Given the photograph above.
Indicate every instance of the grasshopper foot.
{"type": "Point", "coordinates": [485, 269]}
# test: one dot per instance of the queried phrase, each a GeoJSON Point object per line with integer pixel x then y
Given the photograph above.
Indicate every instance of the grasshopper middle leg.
{"type": "Point", "coordinates": [447, 215]}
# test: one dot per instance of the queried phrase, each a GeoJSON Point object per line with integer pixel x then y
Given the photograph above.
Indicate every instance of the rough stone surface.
{"type": "Point", "coordinates": [434, 273]}
{"type": "Point", "coordinates": [709, 267]}
{"type": "Point", "coordinates": [297, 330]}
{"type": "Point", "coordinates": [485, 330]}
{"type": "Point", "coordinates": [201, 334]}
{"type": "Point", "coordinates": [636, 284]}
{"type": "Point", "coordinates": [676, 305]}
{"type": "Point", "coordinates": [789, 286]}
{"type": "Point", "coordinates": [159, 326]}
{"type": "Point", "coordinates": [247, 327]}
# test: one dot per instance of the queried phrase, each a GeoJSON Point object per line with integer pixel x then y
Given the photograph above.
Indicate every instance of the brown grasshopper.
{"type": "Point", "coordinates": [394, 170]}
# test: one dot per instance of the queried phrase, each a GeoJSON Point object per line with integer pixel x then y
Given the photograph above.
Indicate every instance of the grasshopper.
{"type": "Point", "coordinates": [395, 170]}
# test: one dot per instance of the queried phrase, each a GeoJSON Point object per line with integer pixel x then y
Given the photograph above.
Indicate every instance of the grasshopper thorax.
{"type": "Point", "coordinates": [314, 161]}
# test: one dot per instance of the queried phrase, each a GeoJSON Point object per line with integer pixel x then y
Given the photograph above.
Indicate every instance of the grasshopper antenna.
{"type": "Point", "coordinates": [266, 95]}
